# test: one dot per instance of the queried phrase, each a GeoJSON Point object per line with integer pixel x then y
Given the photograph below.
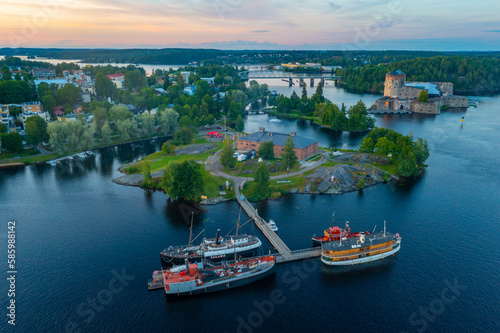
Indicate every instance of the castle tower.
{"type": "Point", "coordinates": [394, 81]}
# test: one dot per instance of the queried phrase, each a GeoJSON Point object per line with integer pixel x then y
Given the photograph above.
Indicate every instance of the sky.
{"type": "Point", "coordinates": [445, 25]}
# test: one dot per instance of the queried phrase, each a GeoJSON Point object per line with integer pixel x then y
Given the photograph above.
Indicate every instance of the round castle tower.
{"type": "Point", "coordinates": [394, 81]}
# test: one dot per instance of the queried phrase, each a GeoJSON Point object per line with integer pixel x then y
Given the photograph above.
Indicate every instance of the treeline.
{"type": "Point", "coordinates": [174, 56]}
{"type": "Point", "coordinates": [471, 75]}
{"type": "Point", "coordinates": [324, 111]}
{"type": "Point", "coordinates": [15, 89]}
{"type": "Point", "coordinates": [409, 155]}
{"type": "Point", "coordinates": [336, 118]}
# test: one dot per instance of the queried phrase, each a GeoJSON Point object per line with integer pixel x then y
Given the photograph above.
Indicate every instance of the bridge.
{"type": "Point", "coordinates": [284, 254]}
{"type": "Point", "coordinates": [287, 76]}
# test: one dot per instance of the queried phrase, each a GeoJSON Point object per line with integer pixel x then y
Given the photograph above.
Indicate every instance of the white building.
{"type": "Point", "coordinates": [4, 115]}
{"type": "Point", "coordinates": [25, 115]}
{"type": "Point", "coordinates": [185, 76]}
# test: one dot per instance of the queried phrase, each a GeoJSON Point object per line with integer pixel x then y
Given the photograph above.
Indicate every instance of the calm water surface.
{"type": "Point", "coordinates": [76, 230]}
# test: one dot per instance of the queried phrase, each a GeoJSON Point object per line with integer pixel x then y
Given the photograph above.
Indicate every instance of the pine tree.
{"type": "Point", "coordinates": [226, 157]}
{"type": "Point", "coordinates": [288, 158]}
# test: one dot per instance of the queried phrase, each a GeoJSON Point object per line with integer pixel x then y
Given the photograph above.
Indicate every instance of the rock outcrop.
{"type": "Point", "coordinates": [346, 178]}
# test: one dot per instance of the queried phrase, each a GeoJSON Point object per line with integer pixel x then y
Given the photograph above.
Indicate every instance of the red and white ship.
{"type": "Point", "coordinates": [334, 234]}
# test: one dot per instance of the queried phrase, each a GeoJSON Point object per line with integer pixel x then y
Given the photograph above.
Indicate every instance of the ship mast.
{"type": "Point", "coordinates": [384, 228]}
{"type": "Point", "coordinates": [190, 230]}
{"type": "Point", "coordinates": [238, 223]}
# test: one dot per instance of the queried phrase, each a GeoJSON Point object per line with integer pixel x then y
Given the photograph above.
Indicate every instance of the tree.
{"type": "Point", "coordinates": [261, 180]}
{"type": "Point", "coordinates": [87, 138]}
{"type": "Point", "coordinates": [146, 171]}
{"type": "Point", "coordinates": [367, 145]}
{"type": "Point", "coordinates": [226, 157]}
{"type": "Point", "coordinates": [69, 94]}
{"type": "Point", "coordinates": [49, 101]}
{"type": "Point", "coordinates": [120, 112]}
{"type": "Point", "coordinates": [135, 80]}
{"type": "Point", "coordinates": [240, 124]}
{"type": "Point", "coordinates": [424, 96]}
{"type": "Point", "coordinates": [304, 93]}
{"type": "Point", "coordinates": [407, 166]}
{"type": "Point", "coordinates": [421, 151]}
{"type": "Point", "coordinates": [12, 142]}
{"type": "Point", "coordinates": [183, 135]}
{"type": "Point", "coordinates": [58, 136]}
{"type": "Point", "coordinates": [288, 158]}
{"type": "Point", "coordinates": [6, 74]}
{"type": "Point", "coordinates": [124, 127]}
{"type": "Point", "coordinates": [36, 130]}
{"type": "Point", "coordinates": [168, 148]}
{"type": "Point", "coordinates": [147, 124]}
{"type": "Point", "coordinates": [185, 121]}
{"type": "Point", "coordinates": [266, 150]}
{"type": "Point", "coordinates": [384, 146]}
{"type": "Point", "coordinates": [104, 86]}
{"type": "Point", "coordinates": [168, 120]}
{"type": "Point", "coordinates": [101, 118]}
{"type": "Point", "coordinates": [3, 128]}
{"type": "Point", "coordinates": [106, 134]}
{"type": "Point", "coordinates": [183, 180]}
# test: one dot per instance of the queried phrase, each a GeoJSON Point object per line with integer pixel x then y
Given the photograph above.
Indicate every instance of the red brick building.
{"type": "Point", "coordinates": [304, 147]}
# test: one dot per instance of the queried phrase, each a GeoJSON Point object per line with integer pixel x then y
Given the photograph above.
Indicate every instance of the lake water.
{"type": "Point", "coordinates": [148, 68]}
{"type": "Point", "coordinates": [76, 231]}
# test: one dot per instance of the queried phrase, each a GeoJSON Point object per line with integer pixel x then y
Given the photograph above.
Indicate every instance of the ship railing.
{"type": "Point", "coordinates": [353, 254]}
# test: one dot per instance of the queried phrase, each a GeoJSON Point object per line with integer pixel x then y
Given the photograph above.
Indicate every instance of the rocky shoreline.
{"type": "Point", "coordinates": [346, 178]}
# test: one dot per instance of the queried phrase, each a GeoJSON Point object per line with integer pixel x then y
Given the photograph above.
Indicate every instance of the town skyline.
{"type": "Point", "coordinates": [319, 25]}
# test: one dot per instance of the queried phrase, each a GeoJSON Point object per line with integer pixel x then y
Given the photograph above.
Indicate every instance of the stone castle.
{"type": "Point", "coordinates": [400, 95]}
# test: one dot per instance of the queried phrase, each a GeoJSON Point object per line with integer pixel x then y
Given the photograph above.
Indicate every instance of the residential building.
{"type": "Point", "coordinates": [190, 90]}
{"type": "Point", "coordinates": [4, 113]}
{"type": "Point", "coordinates": [31, 107]}
{"type": "Point", "coordinates": [40, 73]}
{"type": "Point", "coordinates": [59, 82]}
{"type": "Point", "coordinates": [86, 98]}
{"type": "Point", "coordinates": [58, 111]}
{"type": "Point", "coordinates": [77, 108]}
{"type": "Point", "coordinates": [25, 115]}
{"type": "Point", "coordinates": [68, 117]}
{"type": "Point", "coordinates": [304, 147]}
{"type": "Point", "coordinates": [185, 76]}
{"type": "Point", "coordinates": [117, 79]}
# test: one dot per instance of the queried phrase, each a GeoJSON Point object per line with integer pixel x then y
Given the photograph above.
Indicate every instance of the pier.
{"type": "Point", "coordinates": [284, 254]}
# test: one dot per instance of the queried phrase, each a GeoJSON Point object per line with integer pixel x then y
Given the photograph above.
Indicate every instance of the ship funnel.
{"type": "Point", "coordinates": [217, 237]}
{"type": "Point", "coordinates": [187, 265]}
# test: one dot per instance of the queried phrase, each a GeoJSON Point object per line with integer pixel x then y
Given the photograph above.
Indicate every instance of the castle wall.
{"type": "Point", "coordinates": [427, 108]}
{"type": "Point", "coordinates": [409, 92]}
{"type": "Point", "coordinates": [456, 101]}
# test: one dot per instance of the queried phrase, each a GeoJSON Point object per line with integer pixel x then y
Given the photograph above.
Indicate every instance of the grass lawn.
{"type": "Point", "coordinates": [211, 185]}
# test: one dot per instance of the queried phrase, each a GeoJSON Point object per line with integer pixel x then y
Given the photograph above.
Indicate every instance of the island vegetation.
{"type": "Point", "coordinates": [469, 74]}
{"type": "Point", "coordinates": [322, 111]}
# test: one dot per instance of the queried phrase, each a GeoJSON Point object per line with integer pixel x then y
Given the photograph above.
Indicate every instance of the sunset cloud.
{"type": "Point", "coordinates": [315, 24]}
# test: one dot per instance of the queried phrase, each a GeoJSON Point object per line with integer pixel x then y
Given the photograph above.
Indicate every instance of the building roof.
{"type": "Point", "coordinates": [114, 76]}
{"type": "Point", "coordinates": [279, 139]}
{"type": "Point", "coordinates": [431, 88]}
{"type": "Point", "coordinates": [395, 72]}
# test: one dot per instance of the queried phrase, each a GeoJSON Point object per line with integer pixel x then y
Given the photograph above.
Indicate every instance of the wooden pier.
{"type": "Point", "coordinates": [284, 254]}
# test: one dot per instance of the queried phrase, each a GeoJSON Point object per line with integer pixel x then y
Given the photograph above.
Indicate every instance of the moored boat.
{"type": "Point", "coordinates": [191, 279]}
{"type": "Point", "coordinates": [273, 225]}
{"type": "Point", "coordinates": [214, 249]}
{"type": "Point", "coordinates": [334, 233]}
{"type": "Point", "coordinates": [366, 247]}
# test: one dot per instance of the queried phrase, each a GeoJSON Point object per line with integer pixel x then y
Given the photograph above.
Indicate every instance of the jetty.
{"type": "Point", "coordinates": [284, 253]}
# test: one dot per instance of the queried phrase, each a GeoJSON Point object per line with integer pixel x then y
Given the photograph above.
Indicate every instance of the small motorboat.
{"type": "Point", "coordinates": [273, 225]}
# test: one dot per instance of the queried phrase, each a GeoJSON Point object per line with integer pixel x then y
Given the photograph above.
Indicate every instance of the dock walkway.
{"type": "Point", "coordinates": [285, 254]}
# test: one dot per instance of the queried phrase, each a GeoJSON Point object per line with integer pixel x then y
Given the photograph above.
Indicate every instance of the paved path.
{"type": "Point", "coordinates": [213, 164]}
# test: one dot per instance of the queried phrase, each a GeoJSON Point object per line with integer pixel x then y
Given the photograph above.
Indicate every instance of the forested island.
{"type": "Point", "coordinates": [469, 75]}
{"type": "Point", "coordinates": [322, 111]}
